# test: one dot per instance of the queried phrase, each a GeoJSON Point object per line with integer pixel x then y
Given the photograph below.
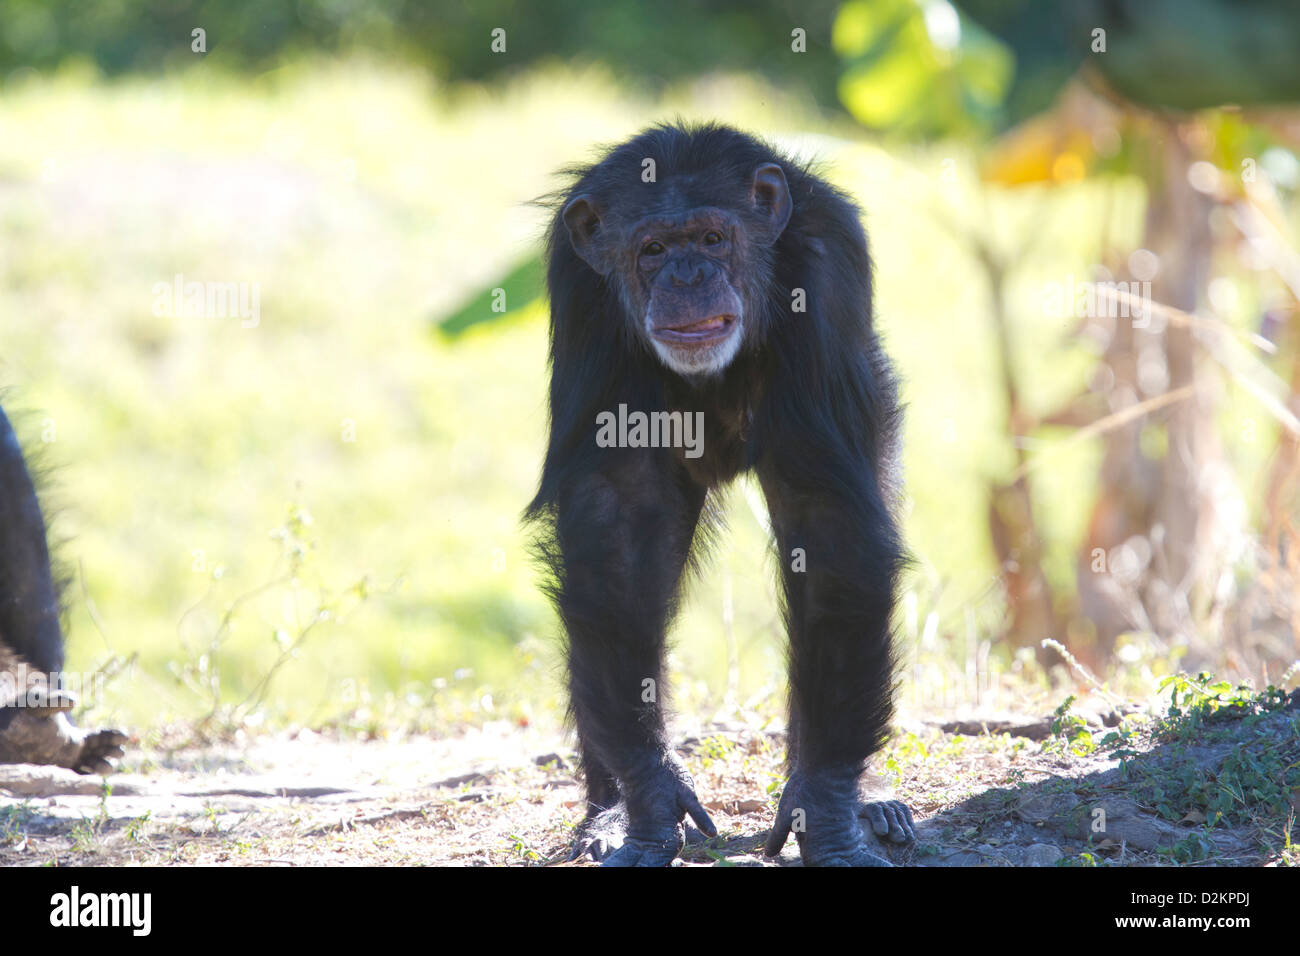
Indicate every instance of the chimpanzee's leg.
{"type": "Point", "coordinates": [34, 729]}
{"type": "Point", "coordinates": [624, 537]}
{"type": "Point", "coordinates": [840, 555]}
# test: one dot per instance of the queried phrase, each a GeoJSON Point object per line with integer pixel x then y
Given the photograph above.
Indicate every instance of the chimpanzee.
{"type": "Point", "coordinates": [33, 725]}
{"type": "Point", "coordinates": [696, 275]}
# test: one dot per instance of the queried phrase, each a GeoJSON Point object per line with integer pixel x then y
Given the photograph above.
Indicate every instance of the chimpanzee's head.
{"type": "Point", "coordinates": [689, 253]}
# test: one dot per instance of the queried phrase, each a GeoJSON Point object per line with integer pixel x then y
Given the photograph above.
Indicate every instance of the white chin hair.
{"type": "Point", "coordinates": [706, 361]}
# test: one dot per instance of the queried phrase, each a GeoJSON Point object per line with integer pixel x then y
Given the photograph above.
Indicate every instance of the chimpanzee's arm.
{"type": "Point", "coordinates": [624, 534]}
{"type": "Point", "coordinates": [840, 555]}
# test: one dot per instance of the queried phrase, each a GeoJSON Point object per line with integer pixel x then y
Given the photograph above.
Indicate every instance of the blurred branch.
{"type": "Point", "coordinates": [1252, 374]}
{"type": "Point", "coordinates": [1109, 423]}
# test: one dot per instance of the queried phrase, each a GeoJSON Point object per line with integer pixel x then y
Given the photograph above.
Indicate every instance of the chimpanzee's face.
{"type": "Point", "coordinates": [686, 286]}
{"type": "Point", "coordinates": [687, 273]}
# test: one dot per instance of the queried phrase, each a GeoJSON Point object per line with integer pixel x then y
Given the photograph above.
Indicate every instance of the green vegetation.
{"type": "Point", "coordinates": [1257, 777]}
{"type": "Point", "coordinates": [1221, 757]}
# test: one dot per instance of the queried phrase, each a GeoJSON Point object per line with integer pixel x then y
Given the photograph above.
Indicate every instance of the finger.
{"type": "Point", "coordinates": [891, 818]}
{"type": "Point", "coordinates": [698, 814]}
{"type": "Point", "coordinates": [899, 818]}
{"type": "Point", "coordinates": [875, 814]}
{"type": "Point", "coordinates": [902, 827]}
{"type": "Point", "coordinates": [780, 833]}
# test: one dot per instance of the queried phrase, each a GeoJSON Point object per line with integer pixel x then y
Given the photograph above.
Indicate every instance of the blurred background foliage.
{"type": "Point", "coordinates": [316, 519]}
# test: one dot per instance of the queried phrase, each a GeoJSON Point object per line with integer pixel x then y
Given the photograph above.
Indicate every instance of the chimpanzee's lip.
{"type": "Point", "coordinates": [704, 332]}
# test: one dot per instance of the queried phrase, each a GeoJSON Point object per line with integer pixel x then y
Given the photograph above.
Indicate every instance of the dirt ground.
{"type": "Point", "coordinates": [985, 791]}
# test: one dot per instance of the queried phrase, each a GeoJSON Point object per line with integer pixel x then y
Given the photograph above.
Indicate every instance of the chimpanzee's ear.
{"type": "Point", "coordinates": [771, 198]}
{"type": "Point", "coordinates": [582, 219]}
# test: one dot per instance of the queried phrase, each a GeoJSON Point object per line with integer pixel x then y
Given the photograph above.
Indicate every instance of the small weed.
{"type": "Point", "coordinates": [520, 848]}
{"type": "Point", "coordinates": [1069, 732]}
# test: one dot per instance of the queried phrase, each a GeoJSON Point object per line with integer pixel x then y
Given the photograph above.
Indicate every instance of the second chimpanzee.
{"type": "Point", "coordinates": [698, 276]}
{"type": "Point", "coordinates": [34, 727]}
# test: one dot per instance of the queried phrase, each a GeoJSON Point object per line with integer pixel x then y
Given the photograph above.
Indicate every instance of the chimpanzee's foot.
{"type": "Point", "coordinates": [600, 834]}
{"type": "Point", "coordinates": [100, 752]}
{"type": "Point", "coordinates": [44, 735]}
{"type": "Point", "coordinates": [655, 809]}
{"type": "Point", "coordinates": [889, 819]}
{"type": "Point", "coordinates": [822, 808]}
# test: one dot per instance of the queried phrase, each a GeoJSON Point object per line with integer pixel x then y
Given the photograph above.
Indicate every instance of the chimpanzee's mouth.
{"type": "Point", "coordinates": [703, 332]}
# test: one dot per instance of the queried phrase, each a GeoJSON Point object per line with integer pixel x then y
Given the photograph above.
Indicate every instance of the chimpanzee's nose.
{"type": "Point", "coordinates": [687, 272]}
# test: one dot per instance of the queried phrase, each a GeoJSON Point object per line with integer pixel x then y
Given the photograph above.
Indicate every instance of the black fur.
{"type": "Point", "coordinates": [33, 725]}
{"type": "Point", "coordinates": [809, 404]}
{"type": "Point", "coordinates": [29, 600]}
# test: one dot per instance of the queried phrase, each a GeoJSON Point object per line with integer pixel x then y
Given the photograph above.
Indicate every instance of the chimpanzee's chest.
{"type": "Point", "coordinates": [722, 449]}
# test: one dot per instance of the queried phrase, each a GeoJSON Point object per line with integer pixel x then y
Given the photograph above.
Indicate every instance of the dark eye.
{"type": "Point", "coordinates": [652, 248]}
{"type": "Point", "coordinates": [712, 237]}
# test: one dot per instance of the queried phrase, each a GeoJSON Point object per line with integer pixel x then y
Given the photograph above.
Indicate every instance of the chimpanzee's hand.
{"type": "Point", "coordinates": [822, 808]}
{"type": "Point", "coordinates": [656, 804]}
{"type": "Point", "coordinates": [600, 834]}
{"type": "Point", "coordinates": [890, 819]}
